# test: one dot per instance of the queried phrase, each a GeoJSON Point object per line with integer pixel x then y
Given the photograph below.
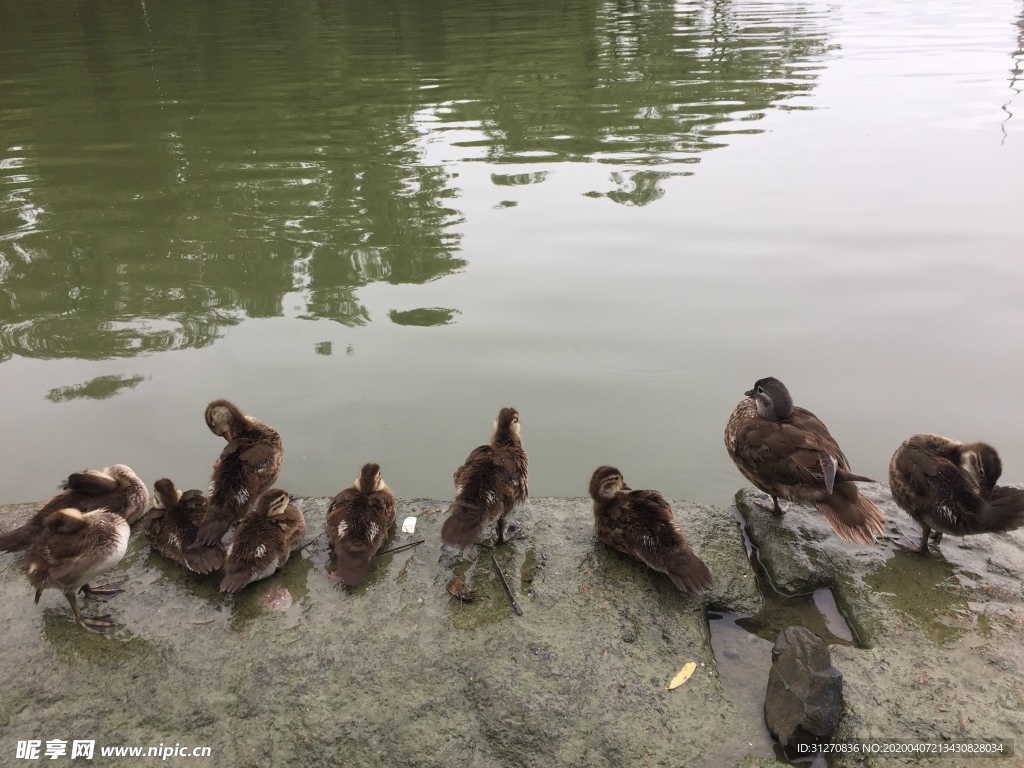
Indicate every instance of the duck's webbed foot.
{"type": "Point", "coordinates": [508, 531]}
{"type": "Point", "coordinates": [913, 543]}
{"type": "Point", "coordinates": [771, 504]}
{"type": "Point", "coordinates": [103, 592]}
{"type": "Point", "coordinates": [95, 624]}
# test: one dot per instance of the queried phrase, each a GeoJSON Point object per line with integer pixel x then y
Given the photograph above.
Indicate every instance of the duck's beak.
{"type": "Point", "coordinates": [625, 487]}
{"type": "Point", "coordinates": [749, 393]}
{"type": "Point", "coordinates": [293, 498]}
{"type": "Point", "coordinates": [228, 436]}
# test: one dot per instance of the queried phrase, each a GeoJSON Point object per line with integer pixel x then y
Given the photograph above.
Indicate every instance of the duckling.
{"type": "Point", "coordinates": [358, 521]}
{"type": "Point", "coordinates": [786, 451]}
{"type": "Point", "coordinates": [488, 485]}
{"type": "Point", "coordinates": [172, 526]}
{"type": "Point", "coordinates": [950, 487]}
{"type": "Point", "coordinates": [116, 489]}
{"type": "Point", "coordinates": [263, 541]}
{"type": "Point", "coordinates": [72, 548]}
{"type": "Point", "coordinates": [248, 466]}
{"type": "Point", "coordinates": [641, 524]}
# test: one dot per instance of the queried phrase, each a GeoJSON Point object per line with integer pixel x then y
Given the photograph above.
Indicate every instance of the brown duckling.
{"type": "Point", "coordinates": [488, 485]}
{"type": "Point", "coordinates": [641, 524]}
{"type": "Point", "coordinates": [172, 528]}
{"type": "Point", "coordinates": [116, 489]}
{"type": "Point", "coordinates": [358, 521]}
{"type": "Point", "coordinates": [786, 451]}
{"type": "Point", "coordinates": [72, 548]}
{"type": "Point", "coordinates": [950, 487]}
{"type": "Point", "coordinates": [248, 466]}
{"type": "Point", "coordinates": [263, 541]}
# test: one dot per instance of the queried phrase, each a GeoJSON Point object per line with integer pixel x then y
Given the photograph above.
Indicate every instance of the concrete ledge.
{"type": "Point", "coordinates": [297, 671]}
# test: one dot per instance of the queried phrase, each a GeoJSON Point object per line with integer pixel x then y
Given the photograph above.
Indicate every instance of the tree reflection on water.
{"type": "Point", "coordinates": [169, 169]}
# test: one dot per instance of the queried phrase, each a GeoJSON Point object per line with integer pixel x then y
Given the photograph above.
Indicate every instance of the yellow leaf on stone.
{"type": "Point", "coordinates": [683, 676]}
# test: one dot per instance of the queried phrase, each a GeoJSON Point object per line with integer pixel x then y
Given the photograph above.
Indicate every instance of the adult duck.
{"type": "Point", "coordinates": [787, 452]}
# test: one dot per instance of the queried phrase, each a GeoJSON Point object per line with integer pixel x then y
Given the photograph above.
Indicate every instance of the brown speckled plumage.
{"type": "Point", "coordinates": [263, 540]}
{"type": "Point", "coordinates": [641, 524]}
{"type": "Point", "coordinates": [491, 482]}
{"type": "Point", "coordinates": [950, 487]}
{"type": "Point", "coordinates": [172, 528]}
{"type": "Point", "coordinates": [248, 466]}
{"type": "Point", "coordinates": [358, 522]}
{"type": "Point", "coordinates": [116, 489]}
{"type": "Point", "coordinates": [69, 550]}
{"type": "Point", "coordinates": [787, 452]}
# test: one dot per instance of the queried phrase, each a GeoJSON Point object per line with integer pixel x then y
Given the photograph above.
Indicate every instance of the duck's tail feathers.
{"type": "Point", "coordinates": [233, 582]}
{"type": "Point", "coordinates": [352, 561]}
{"type": "Point", "coordinates": [203, 559]}
{"type": "Point", "coordinates": [464, 526]}
{"type": "Point", "coordinates": [18, 539]}
{"type": "Point", "coordinates": [1004, 512]}
{"type": "Point", "coordinates": [845, 476]}
{"type": "Point", "coordinates": [689, 573]}
{"type": "Point", "coordinates": [855, 518]}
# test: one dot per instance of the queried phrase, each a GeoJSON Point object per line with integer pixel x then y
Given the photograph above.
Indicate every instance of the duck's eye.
{"type": "Point", "coordinates": [760, 390]}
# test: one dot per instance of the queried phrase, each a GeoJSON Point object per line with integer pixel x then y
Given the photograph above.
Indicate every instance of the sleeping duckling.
{"type": "Point", "coordinates": [72, 548]}
{"type": "Point", "coordinates": [263, 541]}
{"type": "Point", "coordinates": [115, 489]}
{"type": "Point", "coordinates": [641, 524]}
{"type": "Point", "coordinates": [950, 487]}
{"type": "Point", "coordinates": [488, 485]}
{"type": "Point", "coordinates": [248, 466]}
{"type": "Point", "coordinates": [786, 451]}
{"type": "Point", "coordinates": [172, 528]}
{"type": "Point", "coordinates": [358, 521]}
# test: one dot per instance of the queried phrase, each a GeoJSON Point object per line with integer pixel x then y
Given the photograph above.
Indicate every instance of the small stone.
{"type": "Point", "coordinates": [804, 698]}
{"type": "Point", "coordinates": [628, 637]}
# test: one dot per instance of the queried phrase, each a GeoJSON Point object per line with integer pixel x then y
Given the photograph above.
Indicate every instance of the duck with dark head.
{"type": "Point", "coordinates": [172, 528]}
{"type": "Point", "coordinates": [641, 524]}
{"type": "Point", "coordinates": [488, 485]}
{"type": "Point", "coordinates": [358, 522]}
{"type": "Point", "coordinates": [263, 541]}
{"type": "Point", "coordinates": [116, 489]}
{"type": "Point", "coordinates": [787, 452]}
{"type": "Point", "coordinates": [248, 466]}
{"type": "Point", "coordinates": [950, 487]}
{"type": "Point", "coordinates": [72, 548]}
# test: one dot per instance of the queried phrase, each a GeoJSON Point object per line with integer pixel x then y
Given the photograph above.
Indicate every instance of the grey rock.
{"type": "Point", "coordinates": [804, 698]}
{"type": "Point", "coordinates": [941, 638]}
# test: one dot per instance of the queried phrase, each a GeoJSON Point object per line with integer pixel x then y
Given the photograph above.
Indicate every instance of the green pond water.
{"type": "Point", "coordinates": [374, 224]}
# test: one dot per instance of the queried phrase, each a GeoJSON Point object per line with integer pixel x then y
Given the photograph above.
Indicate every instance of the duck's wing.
{"type": "Point", "coordinates": [384, 508]}
{"type": "Point", "coordinates": [783, 452]}
{"type": "Point", "coordinates": [259, 456]}
{"type": "Point", "coordinates": [294, 525]}
{"type": "Point", "coordinates": [91, 482]}
{"type": "Point", "coordinates": [643, 525]}
{"type": "Point", "coordinates": [478, 454]}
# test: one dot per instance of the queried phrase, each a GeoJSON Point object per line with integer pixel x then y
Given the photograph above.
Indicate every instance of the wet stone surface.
{"type": "Point", "coordinates": [296, 671]}
{"type": "Point", "coordinates": [942, 637]}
